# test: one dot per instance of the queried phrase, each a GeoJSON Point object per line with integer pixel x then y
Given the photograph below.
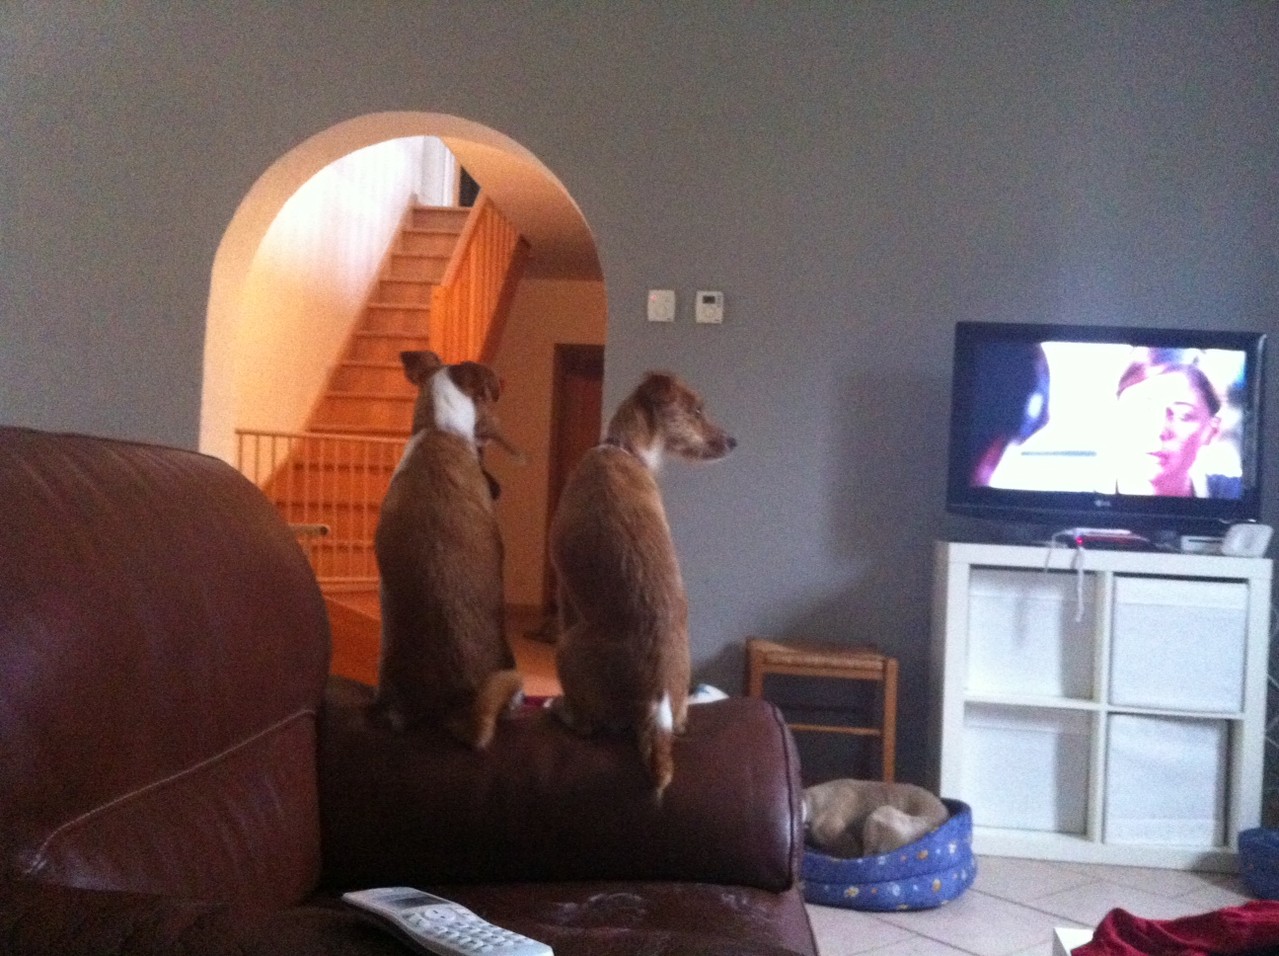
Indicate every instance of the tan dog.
{"type": "Point", "coordinates": [444, 654]}
{"type": "Point", "coordinates": [852, 818]}
{"type": "Point", "coordinates": [623, 656]}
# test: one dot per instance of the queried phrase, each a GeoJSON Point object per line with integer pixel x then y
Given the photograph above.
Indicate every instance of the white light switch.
{"type": "Point", "coordinates": [710, 307]}
{"type": "Point", "coordinates": [661, 305]}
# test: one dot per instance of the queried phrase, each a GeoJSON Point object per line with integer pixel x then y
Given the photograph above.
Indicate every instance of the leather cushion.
{"type": "Point", "coordinates": [545, 804]}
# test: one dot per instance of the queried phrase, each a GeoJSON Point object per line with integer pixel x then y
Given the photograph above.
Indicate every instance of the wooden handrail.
{"type": "Point", "coordinates": [470, 305]}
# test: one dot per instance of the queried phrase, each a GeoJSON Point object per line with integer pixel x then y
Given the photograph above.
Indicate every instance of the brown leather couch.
{"type": "Point", "coordinates": [178, 773]}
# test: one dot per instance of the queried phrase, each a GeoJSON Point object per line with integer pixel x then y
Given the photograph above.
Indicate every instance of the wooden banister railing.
{"type": "Point", "coordinates": [329, 489]}
{"type": "Point", "coordinates": [470, 305]}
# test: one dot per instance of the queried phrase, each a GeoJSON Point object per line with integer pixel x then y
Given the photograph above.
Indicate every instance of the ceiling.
{"type": "Point", "coordinates": [562, 246]}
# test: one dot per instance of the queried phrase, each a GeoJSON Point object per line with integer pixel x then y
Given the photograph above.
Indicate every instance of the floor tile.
{"type": "Point", "coordinates": [1015, 904]}
{"type": "Point", "coordinates": [1214, 898]}
{"type": "Point", "coordinates": [844, 932]}
{"type": "Point", "coordinates": [1039, 949]}
{"type": "Point", "coordinates": [980, 924]}
{"type": "Point", "coordinates": [1087, 904]}
{"type": "Point", "coordinates": [1024, 880]}
{"type": "Point", "coordinates": [918, 946]}
{"type": "Point", "coordinates": [1161, 882]}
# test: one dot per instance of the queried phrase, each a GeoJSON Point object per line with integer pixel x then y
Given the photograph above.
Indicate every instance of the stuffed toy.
{"type": "Point", "coordinates": [855, 818]}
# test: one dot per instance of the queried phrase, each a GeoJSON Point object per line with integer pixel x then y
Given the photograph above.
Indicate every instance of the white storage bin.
{"type": "Point", "coordinates": [1023, 636]}
{"type": "Point", "coordinates": [1179, 648]}
{"type": "Point", "coordinates": [1026, 768]}
{"type": "Point", "coordinates": [1166, 781]}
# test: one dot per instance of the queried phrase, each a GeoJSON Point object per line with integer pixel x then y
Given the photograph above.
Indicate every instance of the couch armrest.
{"type": "Point", "coordinates": [543, 804]}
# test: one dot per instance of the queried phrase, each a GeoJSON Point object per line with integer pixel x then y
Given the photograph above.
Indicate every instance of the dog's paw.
{"type": "Point", "coordinates": [888, 828]}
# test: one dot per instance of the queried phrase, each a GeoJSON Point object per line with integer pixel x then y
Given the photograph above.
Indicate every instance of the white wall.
{"type": "Point", "coordinates": [314, 269]}
{"type": "Point", "coordinates": [545, 313]}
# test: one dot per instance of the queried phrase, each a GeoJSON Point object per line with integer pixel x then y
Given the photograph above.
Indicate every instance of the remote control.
{"type": "Point", "coordinates": [435, 925]}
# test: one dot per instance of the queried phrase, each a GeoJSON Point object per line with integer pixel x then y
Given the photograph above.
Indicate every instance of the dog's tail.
{"type": "Point", "coordinates": [499, 690]}
{"type": "Point", "coordinates": [656, 732]}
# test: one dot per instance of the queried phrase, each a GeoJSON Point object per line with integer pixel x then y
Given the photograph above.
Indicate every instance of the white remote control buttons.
{"type": "Point", "coordinates": [436, 925]}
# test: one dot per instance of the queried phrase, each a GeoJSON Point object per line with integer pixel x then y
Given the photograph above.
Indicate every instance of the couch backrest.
{"type": "Point", "coordinates": [163, 651]}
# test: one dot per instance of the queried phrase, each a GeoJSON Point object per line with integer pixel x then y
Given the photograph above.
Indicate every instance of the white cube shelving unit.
{"type": "Point", "coordinates": [1102, 706]}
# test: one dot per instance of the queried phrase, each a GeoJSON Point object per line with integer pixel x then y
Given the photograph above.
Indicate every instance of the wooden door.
{"type": "Point", "coordinates": [577, 397]}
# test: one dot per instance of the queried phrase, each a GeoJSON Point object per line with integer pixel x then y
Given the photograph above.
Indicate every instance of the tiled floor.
{"type": "Point", "coordinates": [1014, 905]}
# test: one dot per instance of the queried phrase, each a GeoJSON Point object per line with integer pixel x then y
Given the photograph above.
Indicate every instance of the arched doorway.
{"type": "Point", "coordinates": [528, 193]}
{"type": "Point", "coordinates": [563, 278]}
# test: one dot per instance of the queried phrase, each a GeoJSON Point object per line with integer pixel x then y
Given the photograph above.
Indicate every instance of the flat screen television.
{"type": "Point", "coordinates": [1066, 426]}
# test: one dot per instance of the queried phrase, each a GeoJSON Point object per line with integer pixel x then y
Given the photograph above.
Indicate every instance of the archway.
{"type": "Point", "coordinates": [526, 190]}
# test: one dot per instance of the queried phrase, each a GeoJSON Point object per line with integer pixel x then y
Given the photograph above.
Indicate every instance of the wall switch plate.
{"type": "Point", "coordinates": [661, 305]}
{"type": "Point", "coordinates": [710, 307]}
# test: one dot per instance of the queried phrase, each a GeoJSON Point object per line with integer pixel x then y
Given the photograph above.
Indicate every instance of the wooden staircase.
{"type": "Point", "coordinates": [367, 392]}
{"type": "Point", "coordinates": [367, 397]}
{"type": "Point", "coordinates": [446, 284]}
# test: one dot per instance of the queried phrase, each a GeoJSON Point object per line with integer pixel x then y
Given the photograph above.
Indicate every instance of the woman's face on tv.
{"type": "Point", "coordinates": [1163, 421]}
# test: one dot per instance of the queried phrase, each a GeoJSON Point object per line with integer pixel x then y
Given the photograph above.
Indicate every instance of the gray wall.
{"type": "Point", "coordinates": [856, 177]}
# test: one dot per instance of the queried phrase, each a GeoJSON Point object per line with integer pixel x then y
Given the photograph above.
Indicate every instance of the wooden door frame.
{"type": "Point", "coordinates": [567, 357]}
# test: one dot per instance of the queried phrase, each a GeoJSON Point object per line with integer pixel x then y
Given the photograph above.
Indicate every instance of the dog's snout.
{"type": "Point", "coordinates": [731, 442]}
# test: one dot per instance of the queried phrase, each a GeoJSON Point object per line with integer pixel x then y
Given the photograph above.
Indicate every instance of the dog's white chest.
{"type": "Point", "coordinates": [454, 409]}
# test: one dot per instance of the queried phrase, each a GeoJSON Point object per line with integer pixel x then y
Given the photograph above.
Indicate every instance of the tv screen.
{"type": "Point", "coordinates": [1145, 429]}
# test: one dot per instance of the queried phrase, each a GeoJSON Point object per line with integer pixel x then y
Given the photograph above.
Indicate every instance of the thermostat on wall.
{"type": "Point", "coordinates": [710, 307]}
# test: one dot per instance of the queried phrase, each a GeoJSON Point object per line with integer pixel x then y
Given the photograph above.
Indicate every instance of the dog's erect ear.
{"type": "Point", "coordinates": [419, 366]}
{"type": "Point", "coordinates": [658, 389]}
{"type": "Point", "coordinates": [478, 381]}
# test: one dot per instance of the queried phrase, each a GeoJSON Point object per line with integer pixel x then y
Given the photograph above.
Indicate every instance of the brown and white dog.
{"type": "Point", "coordinates": [623, 655]}
{"type": "Point", "coordinates": [444, 655]}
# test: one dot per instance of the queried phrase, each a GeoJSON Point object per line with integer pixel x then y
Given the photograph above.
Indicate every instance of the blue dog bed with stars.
{"type": "Point", "coordinates": [930, 872]}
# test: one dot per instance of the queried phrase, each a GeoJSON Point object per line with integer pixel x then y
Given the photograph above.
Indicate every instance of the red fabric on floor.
{"type": "Point", "coordinates": [1250, 928]}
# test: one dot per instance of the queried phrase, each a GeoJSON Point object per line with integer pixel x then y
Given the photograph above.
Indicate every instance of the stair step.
{"type": "Point", "coordinates": [394, 397]}
{"type": "Point", "coordinates": [417, 267]}
{"type": "Point", "coordinates": [412, 319]}
{"type": "Point", "coordinates": [370, 431]}
{"type": "Point", "coordinates": [387, 412]}
{"type": "Point", "coordinates": [331, 543]}
{"type": "Point", "coordinates": [387, 334]}
{"type": "Point", "coordinates": [437, 242]}
{"type": "Point", "coordinates": [381, 377]}
{"type": "Point", "coordinates": [357, 636]}
{"type": "Point", "coordinates": [377, 460]}
{"type": "Point", "coordinates": [343, 525]}
{"type": "Point", "coordinates": [385, 346]}
{"type": "Point", "coordinates": [438, 217]}
{"type": "Point", "coordinates": [398, 291]}
{"type": "Point", "coordinates": [288, 491]}
{"type": "Point", "coordinates": [331, 562]}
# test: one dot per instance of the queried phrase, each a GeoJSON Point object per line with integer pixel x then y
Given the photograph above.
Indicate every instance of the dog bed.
{"type": "Point", "coordinates": [1259, 861]}
{"type": "Point", "coordinates": [930, 872]}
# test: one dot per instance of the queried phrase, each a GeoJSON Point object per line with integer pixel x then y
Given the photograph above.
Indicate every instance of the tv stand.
{"type": "Point", "coordinates": [1105, 708]}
